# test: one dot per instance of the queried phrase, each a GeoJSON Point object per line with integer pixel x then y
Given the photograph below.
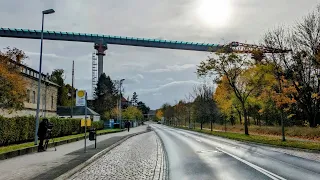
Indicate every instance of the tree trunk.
{"type": "Point", "coordinates": [312, 122]}
{"type": "Point", "coordinates": [189, 118]}
{"type": "Point", "coordinates": [246, 130]}
{"type": "Point", "coordinates": [211, 126]}
{"type": "Point", "coordinates": [240, 117]}
{"type": "Point", "coordinates": [282, 128]}
{"type": "Point", "coordinates": [201, 125]}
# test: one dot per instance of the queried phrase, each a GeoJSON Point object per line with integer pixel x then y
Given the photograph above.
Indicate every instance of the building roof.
{"type": "Point", "coordinates": [123, 99]}
{"type": "Point", "coordinates": [32, 73]}
{"type": "Point", "coordinates": [77, 111]}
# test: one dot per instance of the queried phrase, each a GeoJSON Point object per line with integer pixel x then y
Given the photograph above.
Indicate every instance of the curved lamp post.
{"type": "Point", "coordinates": [48, 11]}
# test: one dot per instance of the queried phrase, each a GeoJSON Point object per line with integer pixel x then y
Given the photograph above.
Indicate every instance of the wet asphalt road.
{"type": "Point", "coordinates": [193, 155]}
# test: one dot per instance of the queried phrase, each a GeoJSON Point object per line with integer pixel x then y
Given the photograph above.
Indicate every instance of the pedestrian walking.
{"type": "Point", "coordinates": [42, 131]}
{"type": "Point", "coordinates": [128, 125]}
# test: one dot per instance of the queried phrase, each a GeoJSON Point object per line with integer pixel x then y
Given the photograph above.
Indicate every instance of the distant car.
{"type": "Point", "coordinates": [158, 122]}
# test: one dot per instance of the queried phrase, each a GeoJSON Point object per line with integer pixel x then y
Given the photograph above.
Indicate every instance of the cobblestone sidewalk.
{"type": "Point", "coordinates": [140, 157]}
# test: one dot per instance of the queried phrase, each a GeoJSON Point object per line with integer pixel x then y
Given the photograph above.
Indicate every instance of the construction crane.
{"type": "Point", "coordinates": [237, 47]}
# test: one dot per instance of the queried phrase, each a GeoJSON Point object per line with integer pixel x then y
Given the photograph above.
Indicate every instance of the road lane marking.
{"type": "Point", "coordinates": [198, 140]}
{"type": "Point", "coordinates": [260, 169]}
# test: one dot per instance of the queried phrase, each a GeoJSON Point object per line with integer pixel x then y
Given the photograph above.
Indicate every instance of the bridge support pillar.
{"type": "Point", "coordinates": [101, 48]}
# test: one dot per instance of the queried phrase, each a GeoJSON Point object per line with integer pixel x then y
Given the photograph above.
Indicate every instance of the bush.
{"type": "Point", "coordinates": [21, 129]}
{"type": "Point", "coordinates": [98, 125]}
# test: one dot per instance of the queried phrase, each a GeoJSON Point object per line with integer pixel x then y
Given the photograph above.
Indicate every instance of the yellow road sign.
{"type": "Point", "coordinates": [83, 122]}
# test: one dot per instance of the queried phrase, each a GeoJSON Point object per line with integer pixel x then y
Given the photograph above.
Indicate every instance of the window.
{"type": "Point", "coordinates": [33, 97]}
{"type": "Point", "coordinates": [51, 102]}
{"type": "Point", "coordinates": [28, 96]}
{"type": "Point", "coordinates": [43, 101]}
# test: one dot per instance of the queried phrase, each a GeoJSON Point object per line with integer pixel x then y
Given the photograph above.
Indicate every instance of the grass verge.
{"type": "Point", "coordinates": [269, 140]}
{"type": "Point", "coordinates": [292, 131]}
{"type": "Point", "coordinates": [5, 149]}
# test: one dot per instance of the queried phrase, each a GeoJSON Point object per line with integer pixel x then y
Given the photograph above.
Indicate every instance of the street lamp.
{"type": "Point", "coordinates": [120, 103]}
{"type": "Point", "coordinates": [48, 11]}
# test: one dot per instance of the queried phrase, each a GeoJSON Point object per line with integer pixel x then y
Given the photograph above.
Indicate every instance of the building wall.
{"type": "Point", "coordinates": [49, 94]}
{"type": "Point", "coordinates": [25, 112]}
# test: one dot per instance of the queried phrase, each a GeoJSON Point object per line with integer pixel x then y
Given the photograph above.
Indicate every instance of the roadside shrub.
{"type": "Point", "coordinates": [21, 129]}
{"type": "Point", "coordinates": [98, 125]}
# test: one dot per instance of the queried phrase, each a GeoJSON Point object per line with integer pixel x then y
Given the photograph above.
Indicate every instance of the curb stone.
{"type": "Point", "coordinates": [95, 157]}
{"type": "Point", "coordinates": [164, 172]}
{"type": "Point", "coordinates": [158, 170]}
{"type": "Point", "coordinates": [34, 149]}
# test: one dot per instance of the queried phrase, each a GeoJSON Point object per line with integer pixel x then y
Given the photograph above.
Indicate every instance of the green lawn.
{"type": "Point", "coordinates": [263, 139]}
{"type": "Point", "coordinates": [13, 147]}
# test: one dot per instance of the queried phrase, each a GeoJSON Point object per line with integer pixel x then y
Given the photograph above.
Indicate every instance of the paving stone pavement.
{"type": "Point", "coordinates": [140, 157]}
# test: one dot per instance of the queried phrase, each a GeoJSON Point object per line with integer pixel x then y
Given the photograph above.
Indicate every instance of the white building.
{"type": "Point", "coordinates": [78, 113]}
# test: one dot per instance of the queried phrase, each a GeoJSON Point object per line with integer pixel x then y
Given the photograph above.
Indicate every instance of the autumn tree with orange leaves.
{"type": "Point", "coordinates": [242, 75]}
{"type": "Point", "coordinates": [12, 84]}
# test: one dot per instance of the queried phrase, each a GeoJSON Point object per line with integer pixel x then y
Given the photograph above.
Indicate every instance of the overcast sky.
{"type": "Point", "coordinates": [157, 75]}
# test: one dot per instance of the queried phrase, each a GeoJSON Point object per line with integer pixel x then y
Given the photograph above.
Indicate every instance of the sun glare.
{"type": "Point", "coordinates": [214, 13]}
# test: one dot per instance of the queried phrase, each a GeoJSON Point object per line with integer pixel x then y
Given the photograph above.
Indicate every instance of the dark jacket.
{"type": "Point", "coordinates": [127, 124]}
{"type": "Point", "coordinates": [42, 130]}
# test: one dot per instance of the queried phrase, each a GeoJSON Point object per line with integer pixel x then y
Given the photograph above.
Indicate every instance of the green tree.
{"type": "Point", "coordinates": [301, 67]}
{"type": "Point", "coordinates": [181, 112]}
{"type": "Point", "coordinates": [69, 90]}
{"type": "Point", "coordinates": [204, 107]}
{"type": "Point", "coordinates": [105, 95]}
{"type": "Point", "coordinates": [57, 76]}
{"type": "Point", "coordinates": [168, 113]}
{"type": "Point", "coordinates": [142, 107]}
{"type": "Point", "coordinates": [12, 84]}
{"type": "Point", "coordinates": [241, 76]}
{"type": "Point", "coordinates": [132, 113]}
{"type": "Point", "coordinates": [134, 99]}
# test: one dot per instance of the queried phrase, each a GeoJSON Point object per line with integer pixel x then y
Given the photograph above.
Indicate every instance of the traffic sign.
{"type": "Point", "coordinates": [81, 98]}
{"type": "Point", "coordinates": [84, 124]}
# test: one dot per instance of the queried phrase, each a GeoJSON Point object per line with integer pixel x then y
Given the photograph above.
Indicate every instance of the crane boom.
{"type": "Point", "coordinates": [237, 47]}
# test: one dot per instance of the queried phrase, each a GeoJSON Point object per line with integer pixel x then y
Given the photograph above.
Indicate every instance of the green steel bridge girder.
{"type": "Point", "coordinates": [117, 40]}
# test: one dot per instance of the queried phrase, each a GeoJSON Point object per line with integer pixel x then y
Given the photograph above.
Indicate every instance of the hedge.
{"type": "Point", "coordinates": [21, 129]}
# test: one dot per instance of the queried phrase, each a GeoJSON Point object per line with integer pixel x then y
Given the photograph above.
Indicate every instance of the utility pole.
{"type": "Point", "coordinates": [120, 102]}
{"type": "Point", "coordinates": [45, 96]}
{"type": "Point", "coordinates": [85, 122]}
{"type": "Point", "coordinates": [72, 89]}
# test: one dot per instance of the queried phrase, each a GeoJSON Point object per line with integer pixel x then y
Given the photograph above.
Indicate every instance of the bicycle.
{"type": "Point", "coordinates": [48, 137]}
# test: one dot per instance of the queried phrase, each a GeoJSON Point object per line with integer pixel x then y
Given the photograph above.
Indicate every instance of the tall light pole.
{"type": "Point", "coordinates": [48, 11]}
{"type": "Point", "coordinates": [120, 103]}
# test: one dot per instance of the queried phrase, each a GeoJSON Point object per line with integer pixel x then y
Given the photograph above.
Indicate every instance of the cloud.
{"type": "Point", "coordinates": [175, 67]}
{"type": "Point", "coordinates": [170, 84]}
{"type": "Point", "coordinates": [140, 76]}
{"type": "Point", "coordinates": [157, 75]}
{"type": "Point", "coordinates": [36, 54]}
{"type": "Point", "coordinates": [132, 79]}
{"type": "Point", "coordinates": [169, 79]}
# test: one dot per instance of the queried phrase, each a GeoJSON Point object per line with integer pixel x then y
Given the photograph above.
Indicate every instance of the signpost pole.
{"type": "Point", "coordinates": [81, 100]}
{"type": "Point", "coordinates": [85, 122]}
